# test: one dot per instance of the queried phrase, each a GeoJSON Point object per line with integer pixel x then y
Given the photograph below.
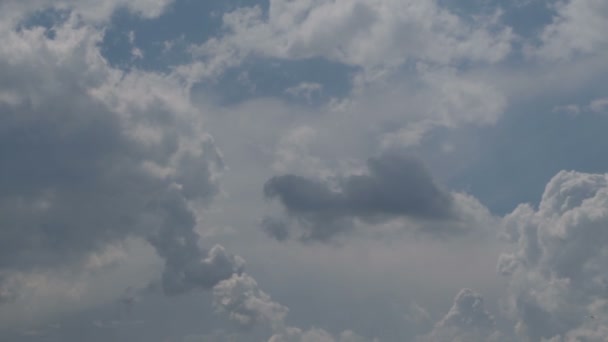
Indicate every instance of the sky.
{"type": "Point", "coordinates": [303, 170]}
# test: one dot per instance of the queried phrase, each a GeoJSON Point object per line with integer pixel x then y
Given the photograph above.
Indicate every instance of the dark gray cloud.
{"type": "Point", "coordinates": [85, 165]}
{"type": "Point", "coordinates": [277, 228]}
{"type": "Point", "coordinates": [394, 186]}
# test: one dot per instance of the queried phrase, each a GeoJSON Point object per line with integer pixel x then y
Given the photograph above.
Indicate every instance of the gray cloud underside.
{"type": "Point", "coordinates": [84, 166]}
{"type": "Point", "coordinates": [395, 186]}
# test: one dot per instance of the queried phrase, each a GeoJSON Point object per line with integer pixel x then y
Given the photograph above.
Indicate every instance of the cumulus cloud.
{"type": "Point", "coordinates": [578, 27]}
{"type": "Point", "coordinates": [394, 186]}
{"type": "Point", "coordinates": [467, 320]}
{"type": "Point", "coordinates": [370, 34]}
{"type": "Point", "coordinates": [92, 155]}
{"type": "Point", "coordinates": [556, 270]}
{"type": "Point", "coordinates": [246, 304]}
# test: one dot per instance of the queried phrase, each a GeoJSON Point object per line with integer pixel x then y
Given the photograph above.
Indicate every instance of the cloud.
{"type": "Point", "coordinates": [467, 320]}
{"type": "Point", "coordinates": [577, 28]}
{"type": "Point", "coordinates": [369, 34]}
{"type": "Point", "coordinates": [243, 301]}
{"type": "Point", "coordinates": [395, 186]}
{"type": "Point", "coordinates": [599, 105]}
{"type": "Point", "coordinates": [246, 304]}
{"type": "Point", "coordinates": [93, 156]}
{"type": "Point", "coordinates": [315, 335]}
{"type": "Point", "coordinates": [557, 279]}
{"type": "Point", "coordinates": [305, 90]}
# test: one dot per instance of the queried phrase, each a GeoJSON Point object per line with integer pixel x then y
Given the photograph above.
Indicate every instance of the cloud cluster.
{"type": "Point", "coordinates": [577, 28]}
{"type": "Point", "coordinates": [246, 304]}
{"type": "Point", "coordinates": [94, 158]}
{"type": "Point", "coordinates": [369, 34]}
{"type": "Point", "coordinates": [558, 281]}
{"type": "Point", "coordinates": [394, 186]}
{"type": "Point", "coordinates": [93, 155]}
{"type": "Point", "coordinates": [467, 321]}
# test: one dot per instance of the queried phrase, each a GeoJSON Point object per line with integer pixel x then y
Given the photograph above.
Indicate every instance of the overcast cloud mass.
{"type": "Point", "coordinates": [303, 171]}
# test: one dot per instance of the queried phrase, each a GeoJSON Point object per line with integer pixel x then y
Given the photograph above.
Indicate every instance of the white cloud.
{"type": "Point", "coordinates": [370, 34]}
{"type": "Point", "coordinates": [305, 90]}
{"type": "Point", "coordinates": [599, 105]}
{"type": "Point", "coordinates": [556, 268]}
{"type": "Point", "coordinates": [467, 321]}
{"type": "Point", "coordinates": [578, 27]}
{"type": "Point", "coordinates": [245, 303]}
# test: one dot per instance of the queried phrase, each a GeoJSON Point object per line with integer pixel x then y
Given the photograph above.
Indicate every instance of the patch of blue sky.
{"type": "Point", "coordinates": [163, 40]}
{"type": "Point", "coordinates": [526, 17]}
{"type": "Point", "coordinates": [47, 18]}
{"type": "Point", "coordinates": [529, 17]}
{"type": "Point", "coordinates": [516, 158]}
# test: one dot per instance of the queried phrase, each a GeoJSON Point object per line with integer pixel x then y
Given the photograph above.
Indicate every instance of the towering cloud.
{"type": "Point", "coordinates": [557, 267]}
{"type": "Point", "coordinates": [92, 155]}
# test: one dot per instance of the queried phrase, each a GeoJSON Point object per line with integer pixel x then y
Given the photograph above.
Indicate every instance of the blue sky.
{"type": "Point", "coordinates": [303, 170]}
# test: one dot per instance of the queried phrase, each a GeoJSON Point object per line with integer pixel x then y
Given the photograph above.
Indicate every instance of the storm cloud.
{"type": "Point", "coordinates": [394, 186]}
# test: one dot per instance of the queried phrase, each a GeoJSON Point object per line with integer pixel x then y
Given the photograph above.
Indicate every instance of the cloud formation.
{"type": "Point", "coordinates": [246, 304]}
{"type": "Point", "coordinates": [467, 320]}
{"type": "Point", "coordinates": [576, 29]}
{"type": "Point", "coordinates": [93, 155]}
{"type": "Point", "coordinates": [556, 269]}
{"type": "Point", "coordinates": [394, 186]}
{"type": "Point", "coordinates": [368, 34]}
{"type": "Point", "coordinates": [104, 165]}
